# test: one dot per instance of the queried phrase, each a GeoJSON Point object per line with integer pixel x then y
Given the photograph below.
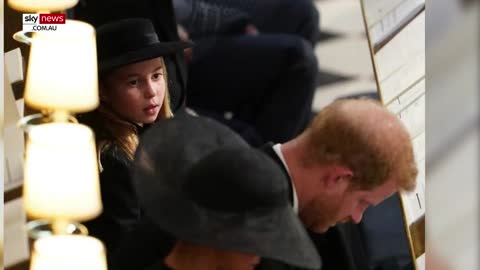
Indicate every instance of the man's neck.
{"type": "Point", "coordinates": [293, 152]}
{"type": "Point", "coordinates": [294, 197]}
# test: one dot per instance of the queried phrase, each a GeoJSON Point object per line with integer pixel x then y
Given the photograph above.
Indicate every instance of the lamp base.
{"type": "Point", "coordinates": [27, 122]}
{"type": "Point", "coordinates": [37, 229]}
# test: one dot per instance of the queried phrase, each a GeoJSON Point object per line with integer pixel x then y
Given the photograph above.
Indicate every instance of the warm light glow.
{"type": "Point", "coordinates": [61, 173]}
{"type": "Point", "coordinates": [41, 5]}
{"type": "Point", "coordinates": [62, 69]}
{"type": "Point", "coordinates": [72, 252]}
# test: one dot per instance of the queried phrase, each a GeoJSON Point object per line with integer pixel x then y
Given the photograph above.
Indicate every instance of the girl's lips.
{"type": "Point", "coordinates": [150, 107]}
{"type": "Point", "coordinates": [151, 110]}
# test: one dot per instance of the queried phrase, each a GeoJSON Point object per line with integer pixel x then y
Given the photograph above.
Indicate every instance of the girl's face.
{"type": "Point", "coordinates": [136, 91]}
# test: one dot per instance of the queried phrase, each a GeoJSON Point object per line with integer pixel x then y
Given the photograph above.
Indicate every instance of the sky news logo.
{"type": "Point", "coordinates": [43, 22]}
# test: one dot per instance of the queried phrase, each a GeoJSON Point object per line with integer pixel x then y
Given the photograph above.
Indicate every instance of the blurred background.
{"type": "Point", "coordinates": [345, 65]}
{"type": "Point", "coordinates": [452, 134]}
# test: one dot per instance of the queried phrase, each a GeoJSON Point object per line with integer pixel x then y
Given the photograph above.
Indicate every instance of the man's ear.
{"type": "Point", "coordinates": [337, 177]}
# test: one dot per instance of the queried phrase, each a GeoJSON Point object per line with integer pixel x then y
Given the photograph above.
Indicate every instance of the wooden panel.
{"type": "Point", "coordinates": [13, 140]}
{"type": "Point", "coordinates": [15, 236]}
{"type": "Point", "coordinates": [396, 31]}
{"type": "Point", "coordinates": [386, 18]}
{"type": "Point", "coordinates": [24, 265]}
{"type": "Point", "coordinates": [401, 62]}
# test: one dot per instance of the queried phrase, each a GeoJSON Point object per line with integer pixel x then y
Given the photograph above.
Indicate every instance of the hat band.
{"type": "Point", "coordinates": [147, 39]}
{"type": "Point", "coordinates": [128, 43]}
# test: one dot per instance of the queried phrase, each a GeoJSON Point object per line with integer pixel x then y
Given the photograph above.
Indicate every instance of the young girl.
{"type": "Point", "coordinates": [134, 94]}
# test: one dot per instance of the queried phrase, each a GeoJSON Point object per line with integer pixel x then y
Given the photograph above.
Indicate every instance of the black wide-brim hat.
{"type": "Point", "coordinates": [129, 41]}
{"type": "Point", "coordinates": [199, 181]}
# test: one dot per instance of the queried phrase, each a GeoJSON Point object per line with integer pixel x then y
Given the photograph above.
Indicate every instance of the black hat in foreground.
{"type": "Point", "coordinates": [129, 41]}
{"type": "Point", "coordinates": [200, 182]}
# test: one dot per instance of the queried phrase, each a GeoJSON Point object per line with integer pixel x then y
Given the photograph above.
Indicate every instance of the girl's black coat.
{"type": "Point", "coordinates": [125, 231]}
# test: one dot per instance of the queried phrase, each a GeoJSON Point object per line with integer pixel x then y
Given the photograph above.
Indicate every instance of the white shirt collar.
{"type": "Point", "coordinates": [278, 151]}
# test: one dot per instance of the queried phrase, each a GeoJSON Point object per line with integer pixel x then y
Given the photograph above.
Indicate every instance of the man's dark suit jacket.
{"type": "Point", "coordinates": [341, 247]}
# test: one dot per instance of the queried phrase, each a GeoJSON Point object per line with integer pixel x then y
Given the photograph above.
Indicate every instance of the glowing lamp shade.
{"type": "Point", "coordinates": [73, 252]}
{"type": "Point", "coordinates": [41, 5]}
{"type": "Point", "coordinates": [62, 69]}
{"type": "Point", "coordinates": [61, 173]}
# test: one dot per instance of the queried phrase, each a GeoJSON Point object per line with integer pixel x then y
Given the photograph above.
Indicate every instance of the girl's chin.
{"type": "Point", "coordinates": [145, 121]}
{"type": "Point", "coordinates": [149, 120]}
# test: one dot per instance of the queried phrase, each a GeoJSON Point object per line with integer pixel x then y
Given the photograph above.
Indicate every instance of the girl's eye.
{"type": "Point", "coordinates": [133, 82]}
{"type": "Point", "coordinates": [157, 76]}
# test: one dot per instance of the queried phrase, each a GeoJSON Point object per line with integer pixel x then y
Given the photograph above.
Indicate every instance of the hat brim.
{"type": "Point", "coordinates": [277, 234]}
{"type": "Point", "coordinates": [155, 50]}
{"type": "Point", "coordinates": [158, 176]}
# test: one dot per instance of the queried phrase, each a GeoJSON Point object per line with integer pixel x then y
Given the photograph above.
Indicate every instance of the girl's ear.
{"type": "Point", "coordinates": [102, 90]}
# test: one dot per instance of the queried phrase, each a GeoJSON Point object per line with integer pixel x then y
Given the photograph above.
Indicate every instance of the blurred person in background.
{"type": "Point", "coordinates": [251, 66]}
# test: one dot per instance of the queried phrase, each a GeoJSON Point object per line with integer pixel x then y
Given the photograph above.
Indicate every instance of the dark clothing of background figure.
{"type": "Point", "coordinates": [162, 16]}
{"type": "Point", "coordinates": [341, 247]}
{"type": "Point", "coordinates": [260, 85]}
{"type": "Point", "coordinates": [265, 81]}
{"type": "Point", "coordinates": [206, 18]}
